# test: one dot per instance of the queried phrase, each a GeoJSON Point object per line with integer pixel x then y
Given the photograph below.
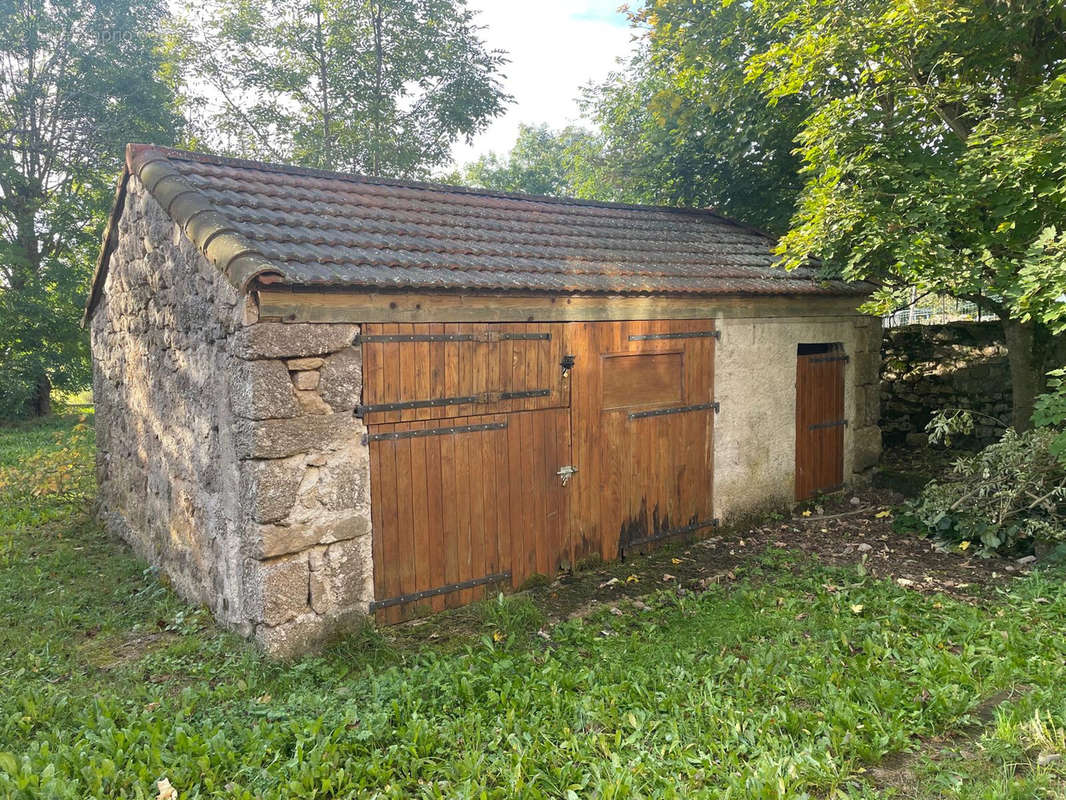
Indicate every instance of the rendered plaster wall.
{"type": "Point", "coordinates": [227, 451]}
{"type": "Point", "coordinates": [755, 382]}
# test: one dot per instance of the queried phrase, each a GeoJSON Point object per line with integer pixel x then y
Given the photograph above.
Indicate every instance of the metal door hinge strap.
{"type": "Point", "coordinates": [823, 359]}
{"type": "Point", "coordinates": [489, 336]}
{"type": "Point", "coordinates": [659, 412]}
{"type": "Point", "coordinates": [468, 400]}
{"type": "Point", "coordinates": [695, 526]}
{"type": "Point", "coordinates": [644, 337]}
{"type": "Point", "coordinates": [834, 424]}
{"type": "Point", "coordinates": [446, 589]}
{"type": "Point", "coordinates": [415, 434]}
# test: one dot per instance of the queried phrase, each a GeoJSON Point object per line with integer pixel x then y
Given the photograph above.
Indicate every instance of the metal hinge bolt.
{"type": "Point", "coordinates": [564, 473]}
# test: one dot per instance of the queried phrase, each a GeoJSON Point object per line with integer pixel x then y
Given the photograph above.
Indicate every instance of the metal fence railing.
{"type": "Point", "coordinates": [951, 311]}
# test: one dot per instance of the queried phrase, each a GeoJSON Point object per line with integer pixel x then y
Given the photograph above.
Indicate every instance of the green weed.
{"type": "Point", "coordinates": [793, 681]}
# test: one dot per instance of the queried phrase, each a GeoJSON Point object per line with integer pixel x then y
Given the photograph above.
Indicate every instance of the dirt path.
{"type": "Point", "coordinates": [846, 529]}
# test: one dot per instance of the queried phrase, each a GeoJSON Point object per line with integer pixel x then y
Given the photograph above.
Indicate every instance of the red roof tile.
{"type": "Point", "coordinates": [314, 228]}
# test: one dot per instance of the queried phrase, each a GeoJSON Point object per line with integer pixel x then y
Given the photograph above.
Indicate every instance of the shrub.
{"type": "Point", "coordinates": [1050, 412]}
{"type": "Point", "coordinates": [1000, 499]}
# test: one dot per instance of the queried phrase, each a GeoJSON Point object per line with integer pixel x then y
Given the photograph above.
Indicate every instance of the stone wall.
{"type": "Point", "coordinates": [931, 367]}
{"type": "Point", "coordinates": [162, 378]}
{"type": "Point", "coordinates": [227, 451]}
{"type": "Point", "coordinates": [755, 382]}
{"type": "Point", "coordinates": [304, 482]}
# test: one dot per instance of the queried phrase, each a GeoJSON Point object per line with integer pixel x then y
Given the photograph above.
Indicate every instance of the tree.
{"type": "Point", "coordinates": [78, 79]}
{"type": "Point", "coordinates": [682, 124]}
{"type": "Point", "coordinates": [935, 153]}
{"type": "Point", "coordinates": [383, 87]}
{"type": "Point", "coordinates": [542, 162]}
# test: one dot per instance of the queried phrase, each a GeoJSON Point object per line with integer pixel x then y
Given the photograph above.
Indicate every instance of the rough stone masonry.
{"type": "Point", "coordinates": [227, 450]}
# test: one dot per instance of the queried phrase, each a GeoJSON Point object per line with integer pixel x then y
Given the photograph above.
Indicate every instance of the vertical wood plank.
{"type": "Point", "coordinates": [449, 515]}
{"type": "Point", "coordinates": [420, 510]}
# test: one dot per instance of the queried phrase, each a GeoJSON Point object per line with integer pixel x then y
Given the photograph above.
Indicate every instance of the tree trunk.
{"type": "Point", "coordinates": [40, 404]}
{"type": "Point", "coordinates": [1026, 370]}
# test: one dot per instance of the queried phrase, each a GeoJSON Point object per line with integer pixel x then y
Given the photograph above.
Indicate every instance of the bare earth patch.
{"type": "Point", "coordinates": [846, 529]}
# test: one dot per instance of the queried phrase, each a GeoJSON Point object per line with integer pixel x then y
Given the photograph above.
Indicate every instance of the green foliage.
{"type": "Point", "coordinates": [1050, 412]}
{"type": "Point", "coordinates": [1041, 290]}
{"type": "Point", "coordinates": [46, 473]}
{"type": "Point", "coordinates": [935, 155]}
{"type": "Point", "coordinates": [542, 162]}
{"type": "Point", "coordinates": [772, 686]}
{"type": "Point", "coordinates": [682, 124]}
{"type": "Point", "coordinates": [1002, 498]}
{"type": "Point", "coordinates": [80, 79]}
{"type": "Point", "coordinates": [511, 617]}
{"type": "Point", "coordinates": [381, 87]}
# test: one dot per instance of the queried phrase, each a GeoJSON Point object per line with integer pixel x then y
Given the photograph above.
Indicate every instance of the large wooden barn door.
{"type": "Point", "coordinates": [820, 419]}
{"type": "Point", "coordinates": [501, 451]}
{"type": "Point", "coordinates": [642, 418]}
{"type": "Point", "coordinates": [468, 425]}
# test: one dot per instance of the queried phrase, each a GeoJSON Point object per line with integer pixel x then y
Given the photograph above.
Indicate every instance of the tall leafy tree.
{"type": "Point", "coordinates": [383, 87]}
{"type": "Point", "coordinates": [683, 125]}
{"type": "Point", "coordinates": [935, 153]}
{"type": "Point", "coordinates": [78, 79]}
{"type": "Point", "coordinates": [542, 162]}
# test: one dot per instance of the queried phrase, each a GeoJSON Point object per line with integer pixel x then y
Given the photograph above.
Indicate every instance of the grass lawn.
{"type": "Point", "coordinates": [790, 679]}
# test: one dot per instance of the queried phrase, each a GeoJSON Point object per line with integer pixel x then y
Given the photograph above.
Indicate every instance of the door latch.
{"type": "Point", "coordinates": [567, 363]}
{"type": "Point", "coordinates": [565, 472]}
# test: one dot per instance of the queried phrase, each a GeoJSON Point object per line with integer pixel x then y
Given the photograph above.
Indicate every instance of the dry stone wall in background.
{"type": "Point", "coordinates": [925, 368]}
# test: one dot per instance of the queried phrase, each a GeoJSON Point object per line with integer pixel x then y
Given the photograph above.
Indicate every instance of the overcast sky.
{"type": "Point", "coordinates": [555, 47]}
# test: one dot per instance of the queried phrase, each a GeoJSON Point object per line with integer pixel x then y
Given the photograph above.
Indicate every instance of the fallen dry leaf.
{"type": "Point", "coordinates": [166, 791]}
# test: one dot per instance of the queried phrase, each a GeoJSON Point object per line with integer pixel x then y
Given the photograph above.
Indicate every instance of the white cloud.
{"type": "Point", "coordinates": [555, 47]}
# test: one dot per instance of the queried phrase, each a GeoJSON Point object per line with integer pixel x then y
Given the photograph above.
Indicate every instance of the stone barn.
{"type": "Point", "coordinates": [322, 396]}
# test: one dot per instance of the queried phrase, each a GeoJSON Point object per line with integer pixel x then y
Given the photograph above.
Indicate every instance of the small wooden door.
{"type": "Point", "coordinates": [820, 419]}
{"type": "Point", "coordinates": [642, 418]}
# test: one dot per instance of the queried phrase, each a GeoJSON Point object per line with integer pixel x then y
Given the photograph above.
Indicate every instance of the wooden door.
{"type": "Point", "coordinates": [642, 417]}
{"type": "Point", "coordinates": [467, 428]}
{"type": "Point", "coordinates": [439, 371]}
{"type": "Point", "coordinates": [820, 419]}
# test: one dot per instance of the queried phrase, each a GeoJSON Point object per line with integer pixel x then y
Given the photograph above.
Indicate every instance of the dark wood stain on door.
{"type": "Point", "coordinates": [467, 492]}
{"type": "Point", "coordinates": [644, 474]}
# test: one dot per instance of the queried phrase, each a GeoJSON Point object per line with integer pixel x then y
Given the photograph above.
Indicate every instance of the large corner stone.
{"type": "Point", "coordinates": [341, 577]}
{"type": "Point", "coordinates": [292, 340]}
{"type": "Point", "coordinates": [342, 379]}
{"type": "Point", "coordinates": [277, 590]}
{"type": "Point", "coordinates": [279, 438]}
{"type": "Point", "coordinates": [270, 541]}
{"type": "Point", "coordinates": [263, 390]}
{"type": "Point", "coordinates": [867, 447]}
{"type": "Point", "coordinates": [269, 488]}
{"type": "Point", "coordinates": [867, 368]}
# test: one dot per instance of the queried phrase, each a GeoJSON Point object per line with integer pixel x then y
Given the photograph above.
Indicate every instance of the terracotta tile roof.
{"type": "Point", "coordinates": [311, 228]}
